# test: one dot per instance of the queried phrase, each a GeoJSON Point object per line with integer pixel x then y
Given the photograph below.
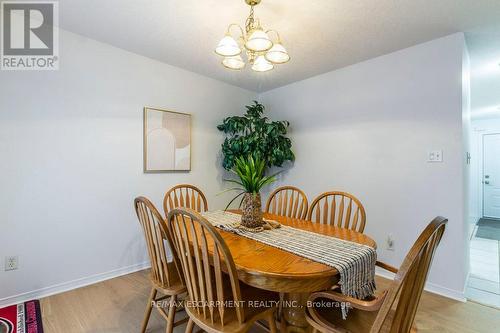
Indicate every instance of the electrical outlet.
{"type": "Point", "coordinates": [390, 243]}
{"type": "Point", "coordinates": [11, 263]}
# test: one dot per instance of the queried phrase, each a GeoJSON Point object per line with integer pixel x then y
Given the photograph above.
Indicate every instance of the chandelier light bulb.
{"type": "Point", "coordinates": [235, 62]}
{"type": "Point", "coordinates": [228, 47]}
{"type": "Point", "coordinates": [262, 65]}
{"type": "Point", "coordinates": [277, 54]}
{"type": "Point", "coordinates": [258, 41]}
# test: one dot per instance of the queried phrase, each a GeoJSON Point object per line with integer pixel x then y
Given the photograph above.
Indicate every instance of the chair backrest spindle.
{"type": "Point", "coordinates": [288, 201]}
{"type": "Point", "coordinates": [405, 291]}
{"type": "Point", "coordinates": [207, 265]}
{"type": "Point", "coordinates": [339, 209]}
{"type": "Point", "coordinates": [156, 233]}
{"type": "Point", "coordinates": [185, 195]}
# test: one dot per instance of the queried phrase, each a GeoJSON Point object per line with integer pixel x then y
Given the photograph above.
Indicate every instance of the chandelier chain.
{"type": "Point", "coordinates": [250, 20]}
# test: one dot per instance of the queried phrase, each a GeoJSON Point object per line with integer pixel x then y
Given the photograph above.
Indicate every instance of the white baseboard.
{"type": "Point", "coordinates": [70, 285]}
{"type": "Point", "coordinates": [430, 287]}
{"type": "Point", "coordinates": [78, 283]}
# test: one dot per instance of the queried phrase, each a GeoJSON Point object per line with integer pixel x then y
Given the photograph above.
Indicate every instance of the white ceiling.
{"type": "Point", "coordinates": [320, 35]}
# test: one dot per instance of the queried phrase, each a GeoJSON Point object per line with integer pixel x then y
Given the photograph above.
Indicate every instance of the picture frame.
{"type": "Point", "coordinates": [166, 141]}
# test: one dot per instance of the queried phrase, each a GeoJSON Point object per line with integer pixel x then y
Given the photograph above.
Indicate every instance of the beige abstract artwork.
{"type": "Point", "coordinates": [167, 141]}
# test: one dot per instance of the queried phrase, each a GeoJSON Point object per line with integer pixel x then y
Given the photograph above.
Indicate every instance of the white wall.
{"type": "Point", "coordinates": [367, 129]}
{"type": "Point", "coordinates": [468, 213]}
{"type": "Point", "coordinates": [71, 160]}
{"type": "Point", "coordinates": [490, 125]}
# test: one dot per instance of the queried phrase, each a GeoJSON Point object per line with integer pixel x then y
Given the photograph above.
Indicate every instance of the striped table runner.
{"type": "Point", "coordinates": [354, 262]}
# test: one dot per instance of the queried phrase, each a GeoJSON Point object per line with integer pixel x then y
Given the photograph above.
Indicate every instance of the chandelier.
{"type": "Point", "coordinates": [261, 52]}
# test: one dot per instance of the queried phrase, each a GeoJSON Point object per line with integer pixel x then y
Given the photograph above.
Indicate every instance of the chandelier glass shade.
{"type": "Point", "coordinates": [228, 47]}
{"type": "Point", "coordinates": [262, 65]}
{"type": "Point", "coordinates": [234, 62]}
{"type": "Point", "coordinates": [277, 54]}
{"type": "Point", "coordinates": [254, 44]}
{"type": "Point", "coordinates": [258, 41]}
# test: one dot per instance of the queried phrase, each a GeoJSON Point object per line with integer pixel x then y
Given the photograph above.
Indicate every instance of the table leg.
{"type": "Point", "coordinates": [294, 313]}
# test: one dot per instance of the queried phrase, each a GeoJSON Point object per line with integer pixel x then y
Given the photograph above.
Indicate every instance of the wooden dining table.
{"type": "Point", "coordinates": [266, 267]}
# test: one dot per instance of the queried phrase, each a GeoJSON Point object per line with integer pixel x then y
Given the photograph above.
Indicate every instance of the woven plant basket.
{"type": "Point", "coordinates": [251, 211]}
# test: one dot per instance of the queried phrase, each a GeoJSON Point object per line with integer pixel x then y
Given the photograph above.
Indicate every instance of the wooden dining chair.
{"type": "Point", "coordinates": [185, 195]}
{"type": "Point", "coordinates": [217, 302]}
{"type": "Point", "coordinates": [288, 201]}
{"type": "Point", "coordinates": [340, 209]}
{"type": "Point", "coordinates": [393, 310]}
{"type": "Point", "coordinates": [165, 277]}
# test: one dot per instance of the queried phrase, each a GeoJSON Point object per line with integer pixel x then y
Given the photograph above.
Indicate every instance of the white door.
{"type": "Point", "coordinates": [491, 175]}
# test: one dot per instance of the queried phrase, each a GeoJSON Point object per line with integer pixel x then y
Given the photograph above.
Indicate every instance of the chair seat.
{"type": "Point", "coordinates": [257, 304]}
{"type": "Point", "coordinates": [357, 321]}
{"type": "Point", "coordinates": [176, 286]}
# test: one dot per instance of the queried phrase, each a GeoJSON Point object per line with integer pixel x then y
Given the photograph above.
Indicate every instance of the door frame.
{"type": "Point", "coordinates": [480, 177]}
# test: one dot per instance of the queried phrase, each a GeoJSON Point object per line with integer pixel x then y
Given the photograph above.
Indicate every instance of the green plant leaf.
{"type": "Point", "coordinates": [236, 197]}
{"type": "Point", "coordinates": [250, 172]}
{"type": "Point", "coordinates": [254, 134]}
{"type": "Point", "coordinates": [233, 181]}
{"type": "Point", "coordinates": [229, 190]}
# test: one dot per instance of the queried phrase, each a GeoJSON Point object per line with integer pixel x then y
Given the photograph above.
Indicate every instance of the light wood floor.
{"type": "Point", "coordinates": [118, 305]}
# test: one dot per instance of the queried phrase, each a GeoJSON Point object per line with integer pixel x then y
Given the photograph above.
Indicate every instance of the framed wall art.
{"type": "Point", "coordinates": [167, 141]}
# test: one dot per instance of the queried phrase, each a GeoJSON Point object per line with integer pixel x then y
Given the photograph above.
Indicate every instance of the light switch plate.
{"type": "Point", "coordinates": [11, 263]}
{"type": "Point", "coordinates": [390, 242]}
{"type": "Point", "coordinates": [435, 156]}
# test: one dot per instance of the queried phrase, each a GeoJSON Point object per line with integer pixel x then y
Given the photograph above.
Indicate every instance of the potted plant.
{"type": "Point", "coordinates": [251, 179]}
{"type": "Point", "coordinates": [253, 144]}
{"type": "Point", "coordinates": [254, 134]}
